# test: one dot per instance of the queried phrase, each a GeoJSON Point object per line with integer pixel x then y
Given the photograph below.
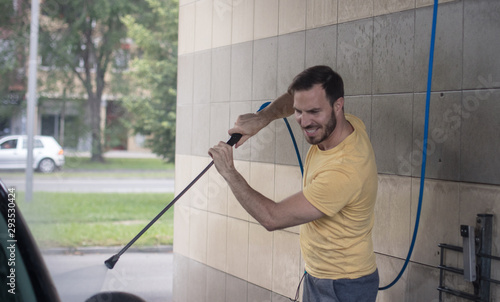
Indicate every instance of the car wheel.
{"type": "Point", "coordinates": [46, 165]}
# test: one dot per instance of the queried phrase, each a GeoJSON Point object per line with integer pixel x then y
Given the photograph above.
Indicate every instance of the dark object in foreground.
{"type": "Point", "coordinates": [23, 274]}
{"type": "Point", "coordinates": [114, 296]}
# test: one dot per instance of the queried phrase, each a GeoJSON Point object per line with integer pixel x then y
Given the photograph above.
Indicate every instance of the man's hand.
{"type": "Point", "coordinates": [251, 123]}
{"type": "Point", "coordinates": [248, 125]}
{"type": "Point", "coordinates": [222, 154]}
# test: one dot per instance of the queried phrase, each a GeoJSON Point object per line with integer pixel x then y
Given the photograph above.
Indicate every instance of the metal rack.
{"type": "Point", "coordinates": [480, 260]}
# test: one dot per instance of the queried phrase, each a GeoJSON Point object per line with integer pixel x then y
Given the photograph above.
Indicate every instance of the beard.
{"type": "Point", "coordinates": [328, 129]}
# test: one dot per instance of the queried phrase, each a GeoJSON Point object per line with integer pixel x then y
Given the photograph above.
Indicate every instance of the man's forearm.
{"type": "Point", "coordinates": [256, 204]}
{"type": "Point", "coordinates": [280, 108]}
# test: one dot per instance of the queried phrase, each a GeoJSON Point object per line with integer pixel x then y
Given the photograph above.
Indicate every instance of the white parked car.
{"type": "Point", "coordinates": [47, 153]}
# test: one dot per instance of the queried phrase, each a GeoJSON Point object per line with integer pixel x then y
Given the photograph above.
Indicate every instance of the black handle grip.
{"type": "Point", "coordinates": [234, 139]}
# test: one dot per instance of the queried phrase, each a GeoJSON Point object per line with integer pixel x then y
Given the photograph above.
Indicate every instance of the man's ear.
{"type": "Point", "coordinates": [338, 104]}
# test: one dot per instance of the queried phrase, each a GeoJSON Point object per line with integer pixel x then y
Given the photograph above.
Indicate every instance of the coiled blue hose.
{"type": "Point", "coordinates": [291, 136]}
{"type": "Point", "coordinates": [424, 151]}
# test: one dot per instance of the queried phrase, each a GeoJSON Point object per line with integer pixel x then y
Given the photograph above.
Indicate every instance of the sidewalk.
{"type": "Point", "coordinates": [105, 250]}
{"type": "Point", "coordinates": [115, 154]}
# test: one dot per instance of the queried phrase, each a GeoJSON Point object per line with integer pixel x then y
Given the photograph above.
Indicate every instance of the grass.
{"type": "Point", "coordinates": [84, 163]}
{"type": "Point", "coordinates": [97, 219]}
{"type": "Point", "coordinates": [112, 167]}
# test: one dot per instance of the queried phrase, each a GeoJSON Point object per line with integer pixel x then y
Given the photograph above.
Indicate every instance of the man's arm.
{"type": "Point", "coordinates": [251, 123]}
{"type": "Point", "coordinates": [293, 210]}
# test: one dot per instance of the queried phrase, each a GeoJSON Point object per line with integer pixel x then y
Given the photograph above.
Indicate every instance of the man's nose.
{"type": "Point", "coordinates": [304, 120]}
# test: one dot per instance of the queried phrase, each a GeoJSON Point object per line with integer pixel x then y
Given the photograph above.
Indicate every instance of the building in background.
{"type": "Point", "coordinates": [61, 106]}
{"type": "Point", "coordinates": [236, 55]}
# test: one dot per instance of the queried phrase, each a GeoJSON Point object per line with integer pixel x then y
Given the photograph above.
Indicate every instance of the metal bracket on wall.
{"type": "Point", "coordinates": [477, 259]}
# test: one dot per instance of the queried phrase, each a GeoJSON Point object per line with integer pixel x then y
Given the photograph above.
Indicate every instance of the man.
{"type": "Point", "coordinates": [336, 206]}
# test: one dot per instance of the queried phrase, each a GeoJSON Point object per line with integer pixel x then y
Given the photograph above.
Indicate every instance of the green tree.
{"type": "Point", "coordinates": [14, 38]}
{"type": "Point", "coordinates": [151, 97]}
{"type": "Point", "coordinates": [81, 38]}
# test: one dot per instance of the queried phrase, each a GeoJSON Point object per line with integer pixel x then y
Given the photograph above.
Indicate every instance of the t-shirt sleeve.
{"type": "Point", "coordinates": [330, 191]}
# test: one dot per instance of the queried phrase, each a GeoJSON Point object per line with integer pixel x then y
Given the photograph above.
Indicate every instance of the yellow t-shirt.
{"type": "Point", "coordinates": [342, 183]}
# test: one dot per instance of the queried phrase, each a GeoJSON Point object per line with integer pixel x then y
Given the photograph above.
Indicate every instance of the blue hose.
{"type": "Point", "coordinates": [424, 151]}
{"type": "Point", "coordinates": [291, 136]}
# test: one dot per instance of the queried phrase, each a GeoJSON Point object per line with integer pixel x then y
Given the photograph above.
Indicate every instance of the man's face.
{"type": "Point", "coordinates": [314, 115]}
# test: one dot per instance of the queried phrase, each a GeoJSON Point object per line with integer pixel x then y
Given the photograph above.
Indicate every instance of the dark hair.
{"type": "Point", "coordinates": [324, 75]}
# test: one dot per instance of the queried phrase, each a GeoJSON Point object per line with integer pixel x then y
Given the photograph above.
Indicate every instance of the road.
{"type": "Point", "coordinates": [78, 277]}
{"type": "Point", "coordinates": [86, 185]}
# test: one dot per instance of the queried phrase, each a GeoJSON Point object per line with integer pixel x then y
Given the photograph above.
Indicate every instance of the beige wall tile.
{"type": "Point", "coordinates": [350, 10]}
{"type": "Point", "coordinates": [288, 182]}
{"type": "Point", "coordinates": [422, 3]}
{"type": "Point", "coordinates": [203, 28]}
{"type": "Point", "coordinates": [321, 13]}
{"type": "Point", "coordinates": [182, 178]}
{"type": "Point", "coordinates": [260, 256]}
{"type": "Point", "coordinates": [262, 180]}
{"type": "Point", "coordinates": [237, 248]}
{"type": "Point", "coordinates": [199, 191]}
{"type": "Point", "coordinates": [439, 219]}
{"type": "Point", "coordinates": [217, 192]}
{"type": "Point", "coordinates": [234, 209]}
{"type": "Point", "coordinates": [217, 241]}
{"type": "Point", "coordinates": [266, 19]}
{"type": "Point", "coordinates": [182, 217]}
{"type": "Point", "coordinates": [382, 7]}
{"type": "Point", "coordinates": [391, 232]}
{"type": "Point", "coordinates": [388, 269]}
{"type": "Point", "coordinates": [422, 283]}
{"type": "Point", "coordinates": [222, 23]}
{"type": "Point", "coordinates": [243, 21]}
{"type": "Point", "coordinates": [184, 2]}
{"type": "Point", "coordinates": [292, 16]}
{"type": "Point", "coordinates": [186, 28]}
{"type": "Point", "coordinates": [286, 263]}
{"type": "Point", "coordinates": [198, 235]}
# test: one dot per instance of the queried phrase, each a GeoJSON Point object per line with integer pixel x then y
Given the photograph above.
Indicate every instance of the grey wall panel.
{"type": "Point", "coordinates": [219, 123]}
{"type": "Point", "coordinates": [448, 49]}
{"type": "Point", "coordinates": [360, 106]}
{"type": "Point", "coordinates": [241, 71]}
{"type": "Point", "coordinates": [185, 77]}
{"type": "Point", "coordinates": [393, 47]}
{"type": "Point", "coordinates": [480, 141]}
{"type": "Point", "coordinates": [202, 76]}
{"type": "Point", "coordinates": [291, 56]}
{"type": "Point", "coordinates": [285, 151]}
{"type": "Point", "coordinates": [443, 152]}
{"type": "Point", "coordinates": [355, 56]}
{"type": "Point", "coordinates": [481, 44]}
{"type": "Point", "coordinates": [391, 131]}
{"type": "Point", "coordinates": [200, 138]}
{"type": "Point", "coordinates": [221, 74]}
{"type": "Point", "coordinates": [263, 144]}
{"type": "Point", "coordinates": [321, 46]}
{"type": "Point", "coordinates": [184, 129]}
{"type": "Point", "coordinates": [265, 69]}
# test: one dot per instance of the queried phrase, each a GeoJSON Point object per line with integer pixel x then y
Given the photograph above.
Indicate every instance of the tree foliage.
{"type": "Point", "coordinates": [153, 75]}
{"type": "Point", "coordinates": [80, 39]}
{"type": "Point", "coordinates": [14, 38]}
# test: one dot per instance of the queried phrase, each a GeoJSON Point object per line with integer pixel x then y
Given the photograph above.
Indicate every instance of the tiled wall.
{"type": "Point", "coordinates": [236, 55]}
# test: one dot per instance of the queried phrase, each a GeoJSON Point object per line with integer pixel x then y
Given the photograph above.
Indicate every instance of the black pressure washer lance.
{"type": "Point", "coordinates": [110, 263]}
